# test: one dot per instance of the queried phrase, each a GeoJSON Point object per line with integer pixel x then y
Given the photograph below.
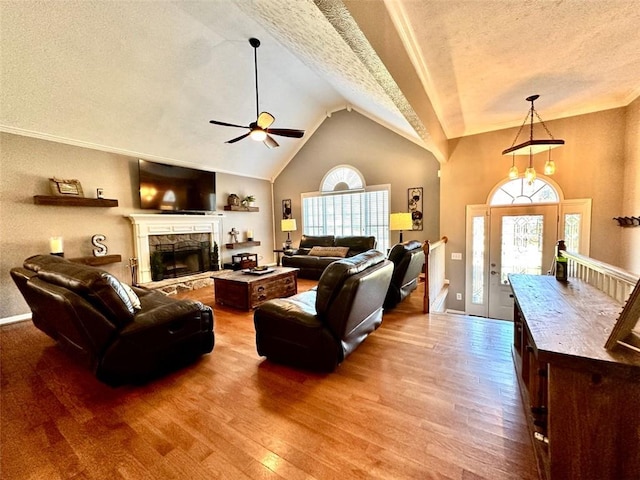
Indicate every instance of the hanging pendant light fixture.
{"type": "Point", "coordinates": [532, 146]}
{"type": "Point", "coordinates": [513, 171]}
{"type": "Point", "coordinates": [549, 166]}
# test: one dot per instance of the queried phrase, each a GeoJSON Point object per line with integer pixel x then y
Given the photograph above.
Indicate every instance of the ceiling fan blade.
{"type": "Point", "coordinates": [225, 124]}
{"type": "Point", "coordinates": [286, 132]}
{"type": "Point", "coordinates": [270, 142]}
{"type": "Point", "coordinates": [234, 140]}
{"type": "Point", "coordinates": [265, 119]}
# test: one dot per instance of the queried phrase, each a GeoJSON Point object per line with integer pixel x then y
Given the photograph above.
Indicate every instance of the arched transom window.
{"type": "Point", "coordinates": [342, 178]}
{"type": "Point", "coordinates": [520, 192]}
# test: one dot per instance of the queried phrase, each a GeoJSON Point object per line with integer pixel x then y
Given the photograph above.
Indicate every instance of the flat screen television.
{"type": "Point", "coordinates": [176, 189]}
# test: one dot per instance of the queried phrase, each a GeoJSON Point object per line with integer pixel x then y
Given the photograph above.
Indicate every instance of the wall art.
{"type": "Point", "coordinates": [286, 209]}
{"type": "Point", "coordinates": [416, 207]}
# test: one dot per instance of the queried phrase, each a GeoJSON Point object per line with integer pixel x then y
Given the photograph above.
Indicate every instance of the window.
{"type": "Point", "coordinates": [344, 207]}
{"type": "Point", "coordinates": [477, 263]}
{"type": "Point", "coordinates": [519, 192]}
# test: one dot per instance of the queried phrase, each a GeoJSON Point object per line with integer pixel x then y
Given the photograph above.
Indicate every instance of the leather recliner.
{"type": "Point", "coordinates": [408, 262]}
{"type": "Point", "coordinates": [319, 328]}
{"type": "Point", "coordinates": [91, 315]}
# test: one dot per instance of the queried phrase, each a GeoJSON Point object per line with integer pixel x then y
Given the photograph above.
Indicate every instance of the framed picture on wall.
{"type": "Point", "coordinates": [286, 209]}
{"type": "Point", "coordinates": [415, 206]}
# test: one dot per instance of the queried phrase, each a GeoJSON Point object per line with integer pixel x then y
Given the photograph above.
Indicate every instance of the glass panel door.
{"type": "Point", "coordinates": [522, 240]}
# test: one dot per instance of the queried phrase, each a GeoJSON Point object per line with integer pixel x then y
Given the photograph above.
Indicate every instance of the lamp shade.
{"type": "Point", "coordinates": [288, 225]}
{"type": "Point", "coordinates": [400, 221]}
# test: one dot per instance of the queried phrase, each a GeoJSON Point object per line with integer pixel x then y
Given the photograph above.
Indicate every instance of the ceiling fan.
{"type": "Point", "coordinates": [259, 130]}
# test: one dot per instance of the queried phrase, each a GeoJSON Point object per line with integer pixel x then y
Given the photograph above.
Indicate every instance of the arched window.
{"type": "Point", "coordinates": [520, 192]}
{"type": "Point", "coordinates": [345, 206]}
{"type": "Point", "coordinates": [342, 178]}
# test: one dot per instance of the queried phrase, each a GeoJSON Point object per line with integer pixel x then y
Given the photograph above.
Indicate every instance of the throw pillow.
{"type": "Point", "coordinates": [135, 301]}
{"type": "Point", "coordinates": [329, 251]}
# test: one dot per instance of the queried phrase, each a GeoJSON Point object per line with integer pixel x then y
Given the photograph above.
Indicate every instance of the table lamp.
{"type": "Point", "coordinates": [288, 225]}
{"type": "Point", "coordinates": [400, 221]}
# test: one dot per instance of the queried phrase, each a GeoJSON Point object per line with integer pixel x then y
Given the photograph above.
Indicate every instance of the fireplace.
{"type": "Point", "coordinates": [174, 256]}
{"type": "Point", "coordinates": [181, 242]}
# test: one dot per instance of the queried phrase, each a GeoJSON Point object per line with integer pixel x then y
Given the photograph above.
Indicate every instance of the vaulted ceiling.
{"type": "Point", "coordinates": [145, 78]}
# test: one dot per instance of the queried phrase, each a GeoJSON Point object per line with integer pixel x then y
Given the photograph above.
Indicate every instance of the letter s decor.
{"type": "Point", "coordinates": [96, 240]}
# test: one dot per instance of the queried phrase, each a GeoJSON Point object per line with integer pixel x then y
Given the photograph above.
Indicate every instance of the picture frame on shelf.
{"type": "Point", "coordinates": [63, 188]}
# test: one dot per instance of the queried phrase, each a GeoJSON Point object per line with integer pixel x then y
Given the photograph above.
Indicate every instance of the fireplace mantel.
{"type": "Point", "coordinates": [145, 225]}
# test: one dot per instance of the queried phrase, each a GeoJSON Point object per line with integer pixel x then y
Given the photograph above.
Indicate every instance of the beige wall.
{"type": "Point", "coordinates": [382, 157]}
{"type": "Point", "coordinates": [26, 164]}
{"type": "Point", "coordinates": [589, 165]}
{"type": "Point", "coordinates": [630, 241]}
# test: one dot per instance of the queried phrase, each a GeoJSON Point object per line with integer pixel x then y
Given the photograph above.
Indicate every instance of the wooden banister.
{"type": "Point", "coordinates": [621, 285]}
{"type": "Point", "coordinates": [612, 280]}
{"type": "Point", "coordinates": [433, 271]}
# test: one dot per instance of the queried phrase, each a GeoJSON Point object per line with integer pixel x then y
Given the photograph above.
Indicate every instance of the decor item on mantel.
{"type": "Point", "coordinates": [532, 146]}
{"type": "Point", "coordinates": [288, 225]}
{"type": "Point", "coordinates": [101, 248]}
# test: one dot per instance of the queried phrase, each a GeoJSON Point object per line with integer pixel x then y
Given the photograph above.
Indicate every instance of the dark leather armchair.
{"type": "Point", "coordinates": [408, 261]}
{"type": "Point", "coordinates": [91, 315]}
{"type": "Point", "coordinates": [319, 328]}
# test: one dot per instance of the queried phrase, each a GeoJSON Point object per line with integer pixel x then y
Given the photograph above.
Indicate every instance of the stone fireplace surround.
{"type": "Point", "coordinates": [149, 225]}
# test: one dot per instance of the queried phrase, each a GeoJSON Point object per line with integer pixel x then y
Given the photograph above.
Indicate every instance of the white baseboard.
{"type": "Point", "coordinates": [15, 319]}
{"type": "Point", "coordinates": [455, 312]}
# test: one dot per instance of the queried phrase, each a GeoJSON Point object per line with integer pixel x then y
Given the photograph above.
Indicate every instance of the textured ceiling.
{"type": "Point", "coordinates": [144, 78]}
{"type": "Point", "coordinates": [479, 59]}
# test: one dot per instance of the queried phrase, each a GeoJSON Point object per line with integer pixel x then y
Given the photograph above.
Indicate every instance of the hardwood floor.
{"type": "Point", "coordinates": [425, 396]}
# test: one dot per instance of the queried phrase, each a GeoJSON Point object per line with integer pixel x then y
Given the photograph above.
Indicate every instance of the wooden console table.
{"type": "Point", "coordinates": [582, 400]}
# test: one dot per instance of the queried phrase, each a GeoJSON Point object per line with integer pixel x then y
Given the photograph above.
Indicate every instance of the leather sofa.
{"type": "Point", "coordinates": [319, 328]}
{"type": "Point", "coordinates": [329, 248]}
{"type": "Point", "coordinates": [408, 261]}
{"type": "Point", "coordinates": [123, 334]}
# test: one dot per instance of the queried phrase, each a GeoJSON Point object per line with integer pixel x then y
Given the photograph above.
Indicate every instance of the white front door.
{"type": "Point", "coordinates": [522, 239]}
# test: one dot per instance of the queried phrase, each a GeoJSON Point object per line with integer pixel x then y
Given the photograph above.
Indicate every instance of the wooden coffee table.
{"type": "Point", "coordinates": [243, 290]}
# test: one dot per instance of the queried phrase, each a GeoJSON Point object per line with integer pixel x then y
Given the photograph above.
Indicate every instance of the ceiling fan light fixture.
{"type": "Point", "coordinates": [260, 130]}
{"type": "Point", "coordinates": [258, 134]}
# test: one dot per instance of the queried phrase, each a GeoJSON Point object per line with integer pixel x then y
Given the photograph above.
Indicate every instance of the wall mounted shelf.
{"type": "Point", "coordinates": [236, 245]}
{"type": "Point", "coordinates": [95, 261]}
{"type": "Point", "coordinates": [74, 201]}
{"type": "Point", "coordinates": [234, 208]}
{"type": "Point", "coordinates": [627, 221]}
